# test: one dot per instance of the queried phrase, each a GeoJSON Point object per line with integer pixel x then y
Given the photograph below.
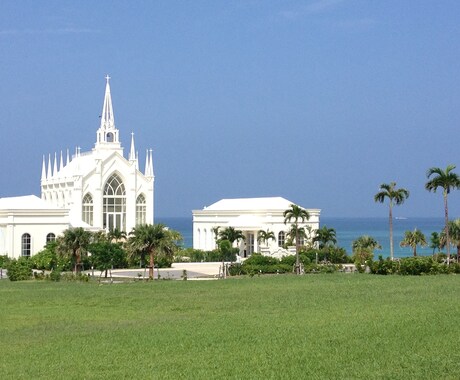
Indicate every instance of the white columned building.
{"type": "Point", "coordinates": [250, 215]}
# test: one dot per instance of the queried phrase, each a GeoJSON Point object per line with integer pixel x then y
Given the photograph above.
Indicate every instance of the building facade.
{"type": "Point", "coordinates": [250, 215]}
{"type": "Point", "coordinates": [97, 190]}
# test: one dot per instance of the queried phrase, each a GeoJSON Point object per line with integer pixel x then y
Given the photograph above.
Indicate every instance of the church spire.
{"type": "Point", "coordinates": [49, 174]}
{"type": "Point", "coordinates": [132, 152]}
{"type": "Point", "coordinates": [147, 163]}
{"type": "Point", "coordinates": [61, 163]}
{"type": "Point", "coordinates": [107, 119]}
{"type": "Point", "coordinates": [55, 170]}
{"type": "Point", "coordinates": [107, 134]}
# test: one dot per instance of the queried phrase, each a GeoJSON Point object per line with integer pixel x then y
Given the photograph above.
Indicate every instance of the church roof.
{"type": "Point", "coordinates": [250, 204]}
{"type": "Point", "coordinates": [26, 202]}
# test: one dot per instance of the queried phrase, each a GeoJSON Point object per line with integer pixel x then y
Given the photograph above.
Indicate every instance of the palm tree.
{"type": "Point", "coordinates": [231, 234]}
{"type": "Point", "coordinates": [152, 239]}
{"type": "Point", "coordinates": [395, 197]}
{"type": "Point", "coordinates": [116, 235]}
{"type": "Point", "coordinates": [363, 248]}
{"type": "Point", "coordinates": [435, 242]}
{"type": "Point", "coordinates": [448, 180]}
{"type": "Point", "coordinates": [325, 237]}
{"type": "Point", "coordinates": [296, 233]}
{"type": "Point", "coordinates": [366, 242]}
{"type": "Point", "coordinates": [215, 231]}
{"type": "Point", "coordinates": [265, 236]}
{"type": "Point", "coordinates": [454, 235]}
{"type": "Point", "coordinates": [74, 242]}
{"type": "Point", "coordinates": [412, 239]}
{"type": "Point", "coordinates": [297, 214]}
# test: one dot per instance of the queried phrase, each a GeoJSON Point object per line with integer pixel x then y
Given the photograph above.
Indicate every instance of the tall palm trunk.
{"type": "Point", "coordinates": [446, 220]}
{"type": "Point", "coordinates": [297, 259]}
{"type": "Point", "coordinates": [391, 231]}
{"type": "Point", "coordinates": [77, 261]}
{"type": "Point", "coordinates": [152, 263]}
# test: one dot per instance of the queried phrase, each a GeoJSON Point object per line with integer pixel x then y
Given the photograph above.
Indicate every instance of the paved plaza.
{"type": "Point", "coordinates": [193, 271]}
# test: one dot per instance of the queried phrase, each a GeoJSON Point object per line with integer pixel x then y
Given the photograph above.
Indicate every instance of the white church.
{"type": "Point", "coordinates": [97, 190]}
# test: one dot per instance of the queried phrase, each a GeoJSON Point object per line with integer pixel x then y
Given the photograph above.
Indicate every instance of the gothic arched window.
{"type": "Point", "coordinates": [25, 245]}
{"type": "Point", "coordinates": [114, 208]}
{"type": "Point", "coordinates": [281, 237]}
{"type": "Point", "coordinates": [141, 209]}
{"type": "Point", "coordinates": [87, 209]}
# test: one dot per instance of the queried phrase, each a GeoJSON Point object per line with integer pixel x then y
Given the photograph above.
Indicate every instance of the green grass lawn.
{"type": "Point", "coordinates": [280, 327]}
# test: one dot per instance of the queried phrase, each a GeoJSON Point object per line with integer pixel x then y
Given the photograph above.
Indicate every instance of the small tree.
{"type": "Point", "coordinates": [395, 197]}
{"type": "Point", "coordinates": [297, 214]}
{"type": "Point", "coordinates": [363, 249]}
{"type": "Point", "coordinates": [413, 239]}
{"type": "Point", "coordinates": [20, 269]}
{"type": "Point", "coordinates": [152, 239]}
{"type": "Point", "coordinates": [74, 243]}
{"type": "Point", "coordinates": [265, 236]}
{"type": "Point", "coordinates": [107, 255]}
{"type": "Point", "coordinates": [447, 180]}
{"type": "Point", "coordinates": [225, 249]}
{"type": "Point", "coordinates": [435, 242]}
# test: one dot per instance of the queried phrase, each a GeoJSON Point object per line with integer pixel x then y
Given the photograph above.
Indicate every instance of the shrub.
{"type": "Point", "coordinates": [336, 255]}
{"type": "Point", "coordinates": [290, 260]}
{"type": "Point", "coordinates": [412, 266]}
{"type": "Point", "coordinates": [416, 266]}
{"type": "Point", "coordinates": [75, 277]}
{"type": "Point", "coordinates": [55, 275]}
{"type": "Point", "coordinates": [384, 266]}
{"type": "Point", "coordinates": [163, 261]}
{"type": "Point", "coordinates": [454, 268]}
{"type": "Point", "coordinates": [235, 269]}
{"type": "Point", "coordinates": [321, 268]}
{"type": "Point", "coordinates": [20, 269]}
{"type": "Point", "coordinates": [48, 259]}
{"type": "Point", "coordinates": [4, 260]}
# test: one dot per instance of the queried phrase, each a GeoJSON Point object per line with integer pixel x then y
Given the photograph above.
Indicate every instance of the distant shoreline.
{"type": "Point", "coordinates": [347, 230]}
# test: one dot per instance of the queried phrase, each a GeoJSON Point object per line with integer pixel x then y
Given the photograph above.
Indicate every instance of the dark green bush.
{"type": "Point", "coordinates": [4, 260]}
{"type": "Point", "coordinates": [235, 269]}
{"type": "Point", "coordinates": [75, 277]}
{"type": "Point", "coordinates": [55, 275]}
{"type": "Point", "coordinates": [106, 255]}
{"type": "Point", "coordinates": [416, 266]}
{"type": "Point", "coordinates": [259, 259]}
{"type": "Point", "coordinates": [384, 266]}
{"type": "Point", "coordinates": [335, 255]}
{"type": "Point", "coordinates": [413, 266]}
{"type": "Point", "coordinates": [20, 269]}
{"type": "Point", "coordinates": [163, 261]}
{"type": "Point", "coordinates": [48, 259]}
{"type": "Point", "coordinates": [454, 268]}
{"type": "Point", "coordinates": [290, 260]}
{"type": "Point", "coordinates": [321, 268]}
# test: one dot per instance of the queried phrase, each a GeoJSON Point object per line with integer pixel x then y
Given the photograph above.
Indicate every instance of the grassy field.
{"type": "Point", "coordinates": [341, 326]}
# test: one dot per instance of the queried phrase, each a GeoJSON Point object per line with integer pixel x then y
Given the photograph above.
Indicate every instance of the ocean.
{"type": "Point", "coordinates": [348, 230]}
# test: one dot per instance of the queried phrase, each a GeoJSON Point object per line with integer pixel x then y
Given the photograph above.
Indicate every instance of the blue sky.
{"type": "Point", "coordinates": [317, 101]}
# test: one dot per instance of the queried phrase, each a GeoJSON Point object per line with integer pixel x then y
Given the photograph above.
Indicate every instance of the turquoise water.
{"type": "Point", "coordinates": [349, 229]}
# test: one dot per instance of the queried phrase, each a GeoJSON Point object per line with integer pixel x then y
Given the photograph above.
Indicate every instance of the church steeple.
{"type": "Point", "coordinates": [107, 119]}
{"type": "Point", "coordinates": [132, 154]}
{"type": "Point", "coordinates": [107, 133]}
